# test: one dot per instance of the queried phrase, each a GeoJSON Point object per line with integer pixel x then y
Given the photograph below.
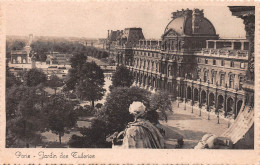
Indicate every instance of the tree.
{"type": "Point", "coordinates": [77, 62]}
{"type": "Point", "coordinates": [24, 119]}
{"type": "Point", "coordinates": [91, 82]}
{"type": "Point", "coordinates": [60, 114]}
{"type": "Point", "coordinates": [18, 45]}
{"type": "Point", "coordinates": [122, 77]}
{"type": "Point", "coordinates": [34, 77]}
{"type": "Point", "coordinates": [55, 82]}
{"type": "Point", "coordinates": [160, 102]}
{"type": "Point", "coordinates": [10, 78]}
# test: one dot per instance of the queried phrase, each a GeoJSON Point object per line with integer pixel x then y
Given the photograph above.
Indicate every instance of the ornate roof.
{"type": "Point", "coordinates": [190, 22]}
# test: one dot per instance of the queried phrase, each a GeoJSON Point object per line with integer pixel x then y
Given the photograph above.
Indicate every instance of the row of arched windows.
{"type": "Point", "coordinates": [222, 82]}
{"type": "Point", "coordinates": [146, 64]}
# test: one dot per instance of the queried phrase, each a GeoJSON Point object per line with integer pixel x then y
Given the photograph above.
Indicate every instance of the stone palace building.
{"type": "Point", "coordinates": [190, 61]}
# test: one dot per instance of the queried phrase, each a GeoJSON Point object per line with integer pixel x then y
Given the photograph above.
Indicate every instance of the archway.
{"type": "Point", "coordinates": [144, 82]}
{"type": "Point", "coordinates": [196, 94]}
{"type": "Point", "coordinates": [149, 82]}
{"type": "Point", "coordinates": [19, 59]}
{"type": "Point", "coordinates": [230, 105]}
{"type": "Point", "coordinates": [239, 105]}
{"type": "Point", "coordinates": [203, 97]}
{"type": "Point", "coordinates": [24, 61]}
{"type": "Point", "coordinates": [220, 105]}
{"type": "Point", "coordinates": [188, 93]}
{"type": "Point", "coordinates": [154, 82]}
{"type": "Point", "coordinates": [211, 100]}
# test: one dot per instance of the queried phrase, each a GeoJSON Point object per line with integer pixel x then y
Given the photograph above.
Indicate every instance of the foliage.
{"type": "Point", "coordinates": [60, 115]}
{"type": "Point", "coordinates": [162, 103]}
{"type": "Point", "coordinates": [122, 77]}
{"type": "Point", "coordinates": [91, 82]}
{"type": "Point", "coordinates": [34, 77]}
{"type": "Point", "coordinates": [10, 78]}
{"type": "Point", "coordinates": [24, 113]}
{"type": "Point", "coordinates": [54, 82]}
{"type": "Point", "coordinates": [84, 111]}
{"type": "Point", "coordinates": [114, 115]}
{"type": "Point", "coordinates": [93, 137]}
{"type": "Point", "coordinates": [78, 60]}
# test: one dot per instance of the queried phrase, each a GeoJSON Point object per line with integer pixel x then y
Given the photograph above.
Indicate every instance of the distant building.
{"type": "Point", "coordinates": [58, 58]}
{"type": "Point", "coordinates": [120, 43]}
{"type": "Point", "coordinates": [22, 56]}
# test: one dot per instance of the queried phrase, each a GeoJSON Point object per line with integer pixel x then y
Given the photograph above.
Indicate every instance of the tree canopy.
{"type": "Point", "coordinates": [54, 82]}
{"type": "Point", "coordinates": [90, 84]}
{"type": "Point", "coordinates": [122, 77]}
{"type": "Point", "coordinates": [34, 77]}
{"type": "Point", "coordinates": [60, 115]}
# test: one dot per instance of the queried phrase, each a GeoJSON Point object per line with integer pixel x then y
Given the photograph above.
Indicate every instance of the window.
{"type": "Point", "coordinates": [156, 67]}
{"type": "Point", "coordinates": [241, 80]}
{"type": "Point", "coordinates": [198, 60]}
{"type": "Point", "coordinates": [222, 63]}
{"type": "Point", "coordinates": [222, 79]}
{"type": "Point", "coordinates": [242, 65]}
{"type": "Point", "coordinates": [231, 81]}
{"type": "Point", "coordinates": [214, 62]}
{"type": "Point", "coordinates": [213, 77]}
{"type": "Point", "coordinates": [206, 61]}
{"type": "Point", "coordinates": [152, 65]}
{"type": "Point", "coordinates": [231, 63]}
{"type": "Point", "coordinates": [205, 76]}
{"type": "Point", "coordinates": [144, 65]}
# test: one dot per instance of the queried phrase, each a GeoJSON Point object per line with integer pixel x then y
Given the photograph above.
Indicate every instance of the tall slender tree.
{"type": "Point", "coordinates": [91, 82]}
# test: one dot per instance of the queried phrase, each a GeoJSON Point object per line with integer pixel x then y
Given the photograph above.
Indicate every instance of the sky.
{"type": "Point", "coordinates": [93, 19]}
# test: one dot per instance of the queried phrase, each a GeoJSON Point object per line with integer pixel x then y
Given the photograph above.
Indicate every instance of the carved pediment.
{"type": "Point", "coordinates": [170, 33]}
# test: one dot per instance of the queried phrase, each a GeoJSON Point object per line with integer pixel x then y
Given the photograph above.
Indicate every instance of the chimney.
{"type": "Point", "coordinates": [196, 16]}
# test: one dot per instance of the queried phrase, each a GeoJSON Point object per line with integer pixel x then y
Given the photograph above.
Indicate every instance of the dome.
{"type": "Point", "coordinates": [187, 22]}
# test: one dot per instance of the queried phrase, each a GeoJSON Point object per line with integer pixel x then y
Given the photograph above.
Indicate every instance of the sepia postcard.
{"type": "Point", "coordinates": [129, 82]}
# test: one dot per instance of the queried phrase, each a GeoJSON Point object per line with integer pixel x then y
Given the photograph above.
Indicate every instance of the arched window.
{"type": "Point", "coordinates": [169, 71]}
{"type": "Point", "coordinates": [205, 76]}
{"type": "Point", "coordinates": [148, 65]}
{"type": "Point", "coordinates": [156, 67]}
{"type": "Point", "coordinates": [214, 62]}
{"type": "Point", "coordinates": [144, 64]}
{"type": "Point", "coordinates": [222, 79]}
{"type": "Point", "coordinates": [152, 65]}
{"type": "Point", "coordinates": [213, 77]}
{"type": "Point", "coordinates": [241, 81]}
{"type": "Point", "coordinates": [222, 63]}
{"type": "Point", "coordinates": [231, 81]}
{"type": "Point", "coordinates": [231, 63]}
{"type": "Point", "coordinates": [206, 61]}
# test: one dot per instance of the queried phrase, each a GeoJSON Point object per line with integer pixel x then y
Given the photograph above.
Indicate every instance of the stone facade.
{"type": "Point", "coordinates": [191, 63]}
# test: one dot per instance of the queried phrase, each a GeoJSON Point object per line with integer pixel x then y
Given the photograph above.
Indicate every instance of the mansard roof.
{"type": "Point", "coordinates": [190, 22]}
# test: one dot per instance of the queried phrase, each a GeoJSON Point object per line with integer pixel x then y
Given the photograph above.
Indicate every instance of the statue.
{"type": "Point", "coordinates": [140, 133]}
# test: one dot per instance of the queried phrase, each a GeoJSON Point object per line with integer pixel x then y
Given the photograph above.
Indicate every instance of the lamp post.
{"type": "Point", "coordinates": [208, 101]}
{"type": "Point", "coordinates": [192, 98]}
{"type": "Point", "coordinates": [185, 91]}
{"type": "Point", "coordinates": [216, 102]}
{"type": "Point", "coordinates": [225, 114]}
{"type": "Point", "coordinates": [200, 99]}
